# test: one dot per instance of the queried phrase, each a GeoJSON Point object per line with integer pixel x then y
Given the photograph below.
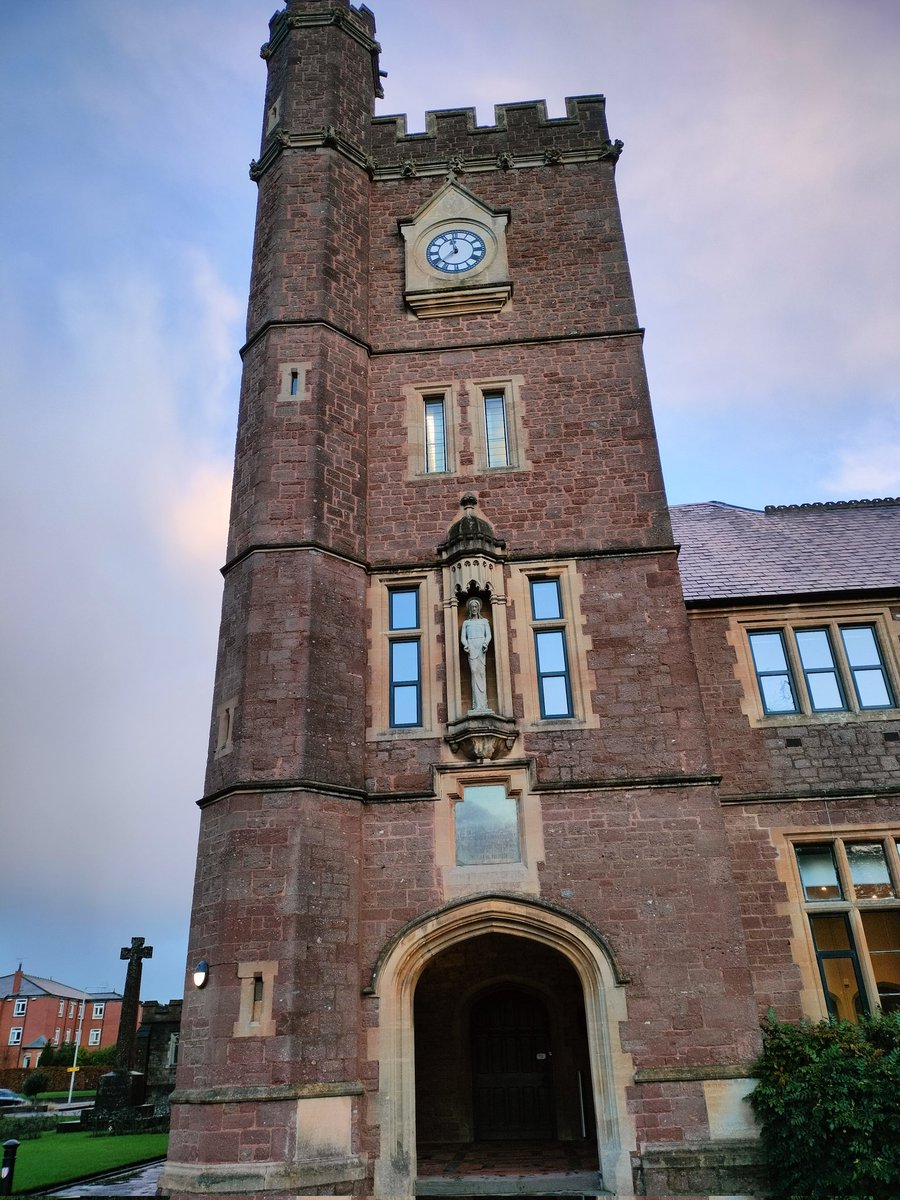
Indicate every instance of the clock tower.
{"type": "Point", "coordinates": [461, 873]}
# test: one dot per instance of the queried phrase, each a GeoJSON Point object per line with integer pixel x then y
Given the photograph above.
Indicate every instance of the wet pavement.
{"type": "Point", "coordinates": [131, 1181]}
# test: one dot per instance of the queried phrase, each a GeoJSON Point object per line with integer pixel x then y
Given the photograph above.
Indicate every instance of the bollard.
{"type": "Point", "coordinates": [9, 1166]}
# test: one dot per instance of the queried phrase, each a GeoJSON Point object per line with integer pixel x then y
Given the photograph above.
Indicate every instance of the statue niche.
{"type": "Point", "coordinates": [479, 697]}
{"type": "Point", "coordinates": [475, 638]}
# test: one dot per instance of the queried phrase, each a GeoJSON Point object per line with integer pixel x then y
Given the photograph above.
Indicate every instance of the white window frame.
{"type": "Point", "coordinates": [94, 1037]}
{"type": "Point", "coordinates": [21, 1008]}
{"type": "Point", "coordinates": [15, 1035]}
{"type": "Point", "coordinates": [99, 1010]}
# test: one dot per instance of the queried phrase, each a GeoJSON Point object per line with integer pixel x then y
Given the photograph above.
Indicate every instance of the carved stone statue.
{"type": "Point", "coordinates": [475, 638]}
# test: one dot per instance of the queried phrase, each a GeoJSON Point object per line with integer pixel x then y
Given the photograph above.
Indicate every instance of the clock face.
{"type": "Point", "coordinates": [455, 251]}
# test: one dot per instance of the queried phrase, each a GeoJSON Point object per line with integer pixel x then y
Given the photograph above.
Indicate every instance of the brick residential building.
{"type": "Point", "coordinates": [35, 1011]}
{"type": "Point", "coordinates": [506, 840]}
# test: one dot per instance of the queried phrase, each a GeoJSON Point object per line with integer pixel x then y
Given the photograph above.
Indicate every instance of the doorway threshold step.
{"type": "Point", "coordinates": [586, 1184]}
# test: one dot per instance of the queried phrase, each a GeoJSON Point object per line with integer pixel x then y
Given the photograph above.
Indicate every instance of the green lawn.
{"type": "Point", "coordinates": [63, 1096]}
{"type": "Point", "coordinates": [56, 1158]}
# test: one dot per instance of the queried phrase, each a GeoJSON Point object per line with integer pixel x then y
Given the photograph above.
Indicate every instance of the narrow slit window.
{"type": "Point", "coordinates": [295, 382]}
{"type": "Point", "coordinates": [550, 650]}
{"type": "Point", "coordinates": [258, 994]}
{"type": "Point", "coordinates": [405, 660]}
{"type": "Point", "coordinates": [435, 435]}
{"type": "Point", "coordinates": [495, 429]}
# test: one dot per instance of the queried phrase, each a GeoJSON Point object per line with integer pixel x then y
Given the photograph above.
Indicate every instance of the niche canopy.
{"type": "Point", "coordinates": [456, 256]}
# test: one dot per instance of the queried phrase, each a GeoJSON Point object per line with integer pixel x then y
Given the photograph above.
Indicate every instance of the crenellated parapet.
{"type": "Point", "coordinates": [522, 136]}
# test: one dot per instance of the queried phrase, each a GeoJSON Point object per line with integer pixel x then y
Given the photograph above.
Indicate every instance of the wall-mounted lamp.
{"type": "Point", "coordinates": [201, 973]}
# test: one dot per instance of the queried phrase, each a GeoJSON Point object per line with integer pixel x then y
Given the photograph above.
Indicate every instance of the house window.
{"type": "Point", "coordinates": [72, 1009]}
{"type": "Point", "coordinates": [21, 1006]}
{"type": "Point", "coordinates": [61, 1009]}
{"type": "Point", "coordinates": [550, 651]}
{"type": "Point", "coordinates": [831, 667]}
{"type": "Point", "coordinates": [850, 888]}
{"type": "Point", "coordinates": [435, 434]}
{"type": "Point", "coordinates": [94, 1037]}
{"type": "Point", "coordinates": [98, 1011]}
{"type": "Point", "coordinates": [486, 826]}
{"type": "Point", "coordinates": [496, 430]}
{"type": "Point", "coordinates": [405, 660]}
{"type": "Point", "coordinates": [56, 1036]}
{"type": "Point", "coordinates": [15, 1035]}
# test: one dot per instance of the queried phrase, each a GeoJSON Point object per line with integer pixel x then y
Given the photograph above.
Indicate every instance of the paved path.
{"type": "Point", "coordinates": [132, 1181]}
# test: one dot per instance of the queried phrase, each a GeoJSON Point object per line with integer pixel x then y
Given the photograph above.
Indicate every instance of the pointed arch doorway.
{"type": "Point", "coordinates": [499, 1021]}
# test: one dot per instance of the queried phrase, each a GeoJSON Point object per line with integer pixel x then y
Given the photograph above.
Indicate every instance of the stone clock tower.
{"type": "Point", "coordinates": [462, 874]}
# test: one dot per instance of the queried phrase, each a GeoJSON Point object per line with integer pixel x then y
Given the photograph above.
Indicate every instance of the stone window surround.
{"type": "Point", "coordinates": [249, 973]}
{"type": "Point", "coordinates": [381, 585]}
{"type": "Point", "coordinates": [292, 373]}
{"type": "Point", "coordinates": [883, 617]}
{"type": "Point", "coordinates": [225, 714]}
{"type": "Point", "coordinates": [578, 644]}
{"type": "Point", "coordinates": [803, 950]}
{"type": "Point", "coordinates": [465, 397]}
{"type": "Point", "coordinates": [519, 876]}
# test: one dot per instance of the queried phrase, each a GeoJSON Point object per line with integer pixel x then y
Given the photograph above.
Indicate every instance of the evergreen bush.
{"type": "Point", "coordinates": [828, 1103]}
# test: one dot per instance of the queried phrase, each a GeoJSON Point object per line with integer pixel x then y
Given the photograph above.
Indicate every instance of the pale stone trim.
{"type": "Point", "coordinates": [743, 621]}
{"type": "Point", "coordinates": [415, 425]}
{"type": "Point", "coordinates": [501, 877]}
{"type": "Point", "coordinates": [248, 973]}
{"type": "Point", "coordinates": [239, 1178]}
{"type": "Point", "coordinates": [288, 372]}
{"type": "Point", "coordinates": [380, 636]}
{"type": "Point", "coordinates": [263, 1094]}
{"type": "Point", "coordinates": [225, 715]}
{"type": "Point", "coordinates": [511, 387]}
{"type": "Point", "coordinates": [582, 680]}
{"type": "Point", "coordinates": [604, 1000]}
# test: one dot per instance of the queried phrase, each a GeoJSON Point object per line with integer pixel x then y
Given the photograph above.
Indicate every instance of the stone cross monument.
{"type": "Point", "coordinates": [125, 1042]}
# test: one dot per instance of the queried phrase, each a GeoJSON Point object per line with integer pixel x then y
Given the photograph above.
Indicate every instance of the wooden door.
{"type": "Point", "coordinates": [511, 1067]}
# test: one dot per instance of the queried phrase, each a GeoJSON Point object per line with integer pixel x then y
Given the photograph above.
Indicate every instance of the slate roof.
{"type": "Point", "coordinates": [730, 553]}
{"type": "Point", "coordinates": [36, 985]}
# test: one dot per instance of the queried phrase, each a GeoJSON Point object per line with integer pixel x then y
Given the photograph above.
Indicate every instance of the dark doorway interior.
{"type": "Point", "coordinates": [501, 1048]}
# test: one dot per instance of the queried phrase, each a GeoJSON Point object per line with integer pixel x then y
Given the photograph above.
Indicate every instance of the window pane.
{"type": "Point", "coordinates": [871, 689]}
{"type": "Point", "coordinates": [435, 435]}
{"type": "Point", "coordinates": [777, 694]}
{"type": "Point", "coordinates": [824, 691]}
{"type": "Point", "coordinates": [883, 937]}
{"type": "Point", "coordinates": [404, 662]}
{"type": "Point", "coordinates": [555, 696]}
{"type": "Point", "coordinates": [814, 647]}
{"type": "Point", "coordinates": [861, 647]}
{"type": "Point", "coordinates": [495, 430]}
{"type": "Point", "coordinates": [545, 600]}
{"type": "Point", "coordinates": [550, 651]}
{"type": "Point", "coordinates": [843, 989]}
{"type": "Point", "coordinates": [487, 826]}
{"type": "Point", "coordinates": [405, 609]}
{"type": "Point", "coordinates": [768, 652]}
{"type": "Point", "coordinates": [869, 871]}
{"type": "Point", "coordinates": [831, 932]}
{"type": "Point", "coordinates": [818, 873]}
{"type": "Point", "coordinates": [406, 705]}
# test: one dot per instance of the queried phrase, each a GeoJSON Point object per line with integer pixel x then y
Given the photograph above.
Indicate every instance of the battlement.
{"type": "Point", "coordinates": [521, 129]}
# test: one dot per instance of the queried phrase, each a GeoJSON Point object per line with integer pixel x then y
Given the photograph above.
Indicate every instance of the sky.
{"type": "Point", "coordinates": [759, 187]}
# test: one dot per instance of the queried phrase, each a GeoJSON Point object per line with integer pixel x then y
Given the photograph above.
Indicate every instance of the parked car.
{"type": "Point", "coordinates": [10, 1099]}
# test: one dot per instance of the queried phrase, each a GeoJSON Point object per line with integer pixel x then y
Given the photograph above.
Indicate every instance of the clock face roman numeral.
{"type": "Point", "coordinates": [455, 250]}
